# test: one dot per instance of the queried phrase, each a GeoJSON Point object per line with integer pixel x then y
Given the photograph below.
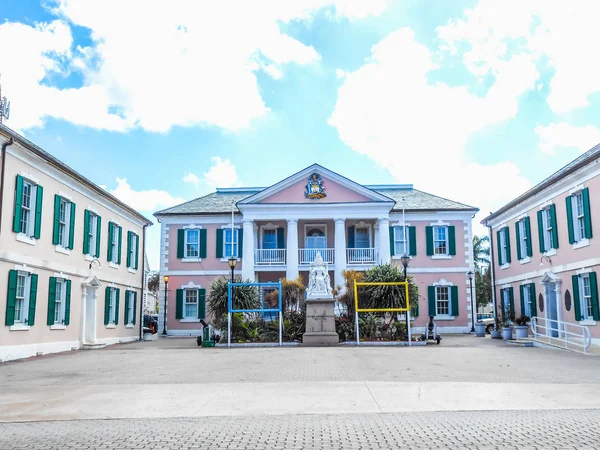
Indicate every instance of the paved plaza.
{"type": "Point", "coordinates": [465, 393]}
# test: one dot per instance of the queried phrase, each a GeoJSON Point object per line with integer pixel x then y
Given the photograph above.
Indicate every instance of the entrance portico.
{"type": "Point", "coordinates": [89, 296]}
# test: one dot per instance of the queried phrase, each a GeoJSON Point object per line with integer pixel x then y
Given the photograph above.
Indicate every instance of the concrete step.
{"type": "Point", "coordinates": [93, 346]}
{"type": "Point", "coordinates": [520, 342]}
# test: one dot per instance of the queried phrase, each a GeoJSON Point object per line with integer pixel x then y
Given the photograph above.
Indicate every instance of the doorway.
{"type": "Point", "coordinates": [89, 333]}
{"type": "Point", "coordinates": [551, 308]}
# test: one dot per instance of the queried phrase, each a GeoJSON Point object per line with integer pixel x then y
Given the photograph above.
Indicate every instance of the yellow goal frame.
{"type": "Point", "coordinates": [367, 310]}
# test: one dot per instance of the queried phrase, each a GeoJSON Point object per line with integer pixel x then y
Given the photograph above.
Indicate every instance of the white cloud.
{"type": "Point", "coordinates": [191, 63]}
{"type": "Point", "coordinates": [388, 111]}
{"type": "Point", "coordinates": [145, 200]}
{"type": "Point", "coordinates": [191, 178]}
{"type": "Point", "coordinates": [556, 136]}
{"type": "Point", "coordinates": [221, 174]}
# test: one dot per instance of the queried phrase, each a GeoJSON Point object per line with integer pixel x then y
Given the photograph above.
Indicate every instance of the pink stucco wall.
{"type": "Point", "coordinates": [336, 193]}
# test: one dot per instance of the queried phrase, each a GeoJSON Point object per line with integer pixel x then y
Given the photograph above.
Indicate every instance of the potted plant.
{"type": "Point", "coordinates": [479, 329]}
{"type": "Point", "coordinates": [506, 329]}
{"type": "Point", "coordinates": [495, 333]}
{"type": "Point", "coordinates": [521, 327]}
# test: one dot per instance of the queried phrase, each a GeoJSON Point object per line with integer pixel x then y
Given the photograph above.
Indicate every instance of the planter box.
{"type": "Point", "coordinates": [521, 331]}
{"type": "Point", "coordinates": [480, 330]}
{"type": "Point", "coordinates": [507, 334]}
{"type": "Point", "coordinates": [496, 334]}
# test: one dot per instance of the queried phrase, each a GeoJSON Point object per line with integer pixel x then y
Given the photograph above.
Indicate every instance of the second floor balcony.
{"type": "Point", "coordinates": [279, 257]}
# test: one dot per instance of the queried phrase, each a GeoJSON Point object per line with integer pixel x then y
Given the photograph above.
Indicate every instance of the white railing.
{"type": "Point", "coordinates": [570, 335]}
{"type": "Point", "coordinates": [308, 255]}
{"type": "Point", "coordinates": [271, 257]}
{"type": "Point", "coordinates": [361, 255]}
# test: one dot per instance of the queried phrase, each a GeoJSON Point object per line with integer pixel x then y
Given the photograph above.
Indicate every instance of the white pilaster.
{"type": "Point", "coordinates": [385, 256]}
{"type": "Point", "coordinates": [292, 271]}
{"type": "Point", "coordinates": [248, 255]}
{"type": "Point", "coordinates": [340, 252]}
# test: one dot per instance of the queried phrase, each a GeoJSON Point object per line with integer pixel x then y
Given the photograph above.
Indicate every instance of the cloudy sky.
{"type": "Point", "coordinates": [163, 101]}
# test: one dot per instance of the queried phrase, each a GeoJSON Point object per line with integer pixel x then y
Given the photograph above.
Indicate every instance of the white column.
{"type": "Point", "coordinates": [340, 252]}
{"type": "Point", "coordinates": [292, 271]}
{"type": "Point", "coordinates": [385, 256]}
{"type": "Point", "coordinates": [248, 255]}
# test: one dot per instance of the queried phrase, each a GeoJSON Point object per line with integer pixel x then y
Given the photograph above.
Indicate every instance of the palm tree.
{"type": "Point", "coordinates": [481, 251]}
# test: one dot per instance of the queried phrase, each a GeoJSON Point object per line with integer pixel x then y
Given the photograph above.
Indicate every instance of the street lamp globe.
{"type": "Point", "coordinates": [470, 275]}
{"type": "Point", "coordinates": [232, 262]}
{"type": "Point", "coordinates": [166, 279]}
{"type": "Point", "coordinates": [405, 259]}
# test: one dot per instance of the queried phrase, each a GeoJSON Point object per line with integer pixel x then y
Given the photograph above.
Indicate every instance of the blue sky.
{"type": "Point", "coordinates": [465, 99]}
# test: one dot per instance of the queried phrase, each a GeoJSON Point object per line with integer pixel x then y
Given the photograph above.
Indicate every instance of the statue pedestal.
{"type": "Point", "coordinates": [320, 322]}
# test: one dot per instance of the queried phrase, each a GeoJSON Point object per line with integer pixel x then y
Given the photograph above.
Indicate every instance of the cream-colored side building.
{"type": "Point", "coordinates": [71, 257]}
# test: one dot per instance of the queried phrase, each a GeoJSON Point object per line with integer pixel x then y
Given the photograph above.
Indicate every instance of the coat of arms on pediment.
{"type": "Point", "coordinates": [314, 187]}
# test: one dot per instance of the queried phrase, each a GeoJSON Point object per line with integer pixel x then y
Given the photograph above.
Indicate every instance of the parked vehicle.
{"type": "Point", "coordinates": [487, 320]}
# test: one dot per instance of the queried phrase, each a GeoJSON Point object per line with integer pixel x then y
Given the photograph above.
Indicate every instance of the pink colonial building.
{"type": "Point", "coordinates": [546, 256]}
{"type": "Point", "coordinates": [278, 230]}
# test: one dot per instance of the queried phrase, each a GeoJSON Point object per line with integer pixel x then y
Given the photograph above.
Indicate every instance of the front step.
{"type": "Point", "coordinates": [593, 350]}
{"type": "Point", "coordinates": [93, 346]}
{"type": "Point", "coordinates": [520, 343]}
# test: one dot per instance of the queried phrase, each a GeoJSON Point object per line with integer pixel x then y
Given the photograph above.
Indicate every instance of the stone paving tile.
{"type": "Point", "coordinates": [174, 361]}
{"type": "Point", "coordinates": [443, 430]}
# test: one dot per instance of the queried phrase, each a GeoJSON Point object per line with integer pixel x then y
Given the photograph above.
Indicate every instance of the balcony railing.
{"type": "Point", "coordinates": [361, 255]}
{"type": "Point", "coordinates": [308, 255]}
{"type": "Point", "coordinates": [269, 257]}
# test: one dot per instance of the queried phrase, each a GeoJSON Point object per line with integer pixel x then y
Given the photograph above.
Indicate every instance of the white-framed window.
{"type": "Point", "coordinates": [60, 301]}
{"type": "Point", "coordinates": [269, 239]}
{"type": "Point", "coordinates": [92, 233]}
{"type": "Point", "coordinates": [132, 243]}
{"type": "Point", "coordinates": [28, 201]}
{"type": "Point", "coordinates": [578, 216]}
{"type": "Point", "coordinates": [190, 305]}
{"type": "Point", "coordinates": [230, 243]}
{"type": "Point", "coordinates": [114, 244]}
{"type": "Point", "coordinates": [64, 222]}
{"type": "Point", "coordinates": [442, 301]}
{"type": "Point", "coordinates": [522, 238]}
{"type": "Point", "coordinates": [22, 298]}
{"type": "Point", "coordinates": [547, 228]}
{"type": "Point", "coordinates": [503, 247]}
{"type": "Point", "coordinates": [362, 237]}
{"type": "Point", "coordinates": [112, 306]}
{"type": "Point", "coordinates": [440, 240]}
{"type": "Point", "coordinates": [401, 240]}
{"type": "Point", "coordinates": [315, 237]}
{"type": "Point", "coordinates": [131, 308]}
{"type": "Point", "coordinates": [585, 297]}
{"type": "Point", "coordinates": [506, 302]}
{"type": "Point", "coordinates": [527, 300]}
{"type": "Point", "coordinates": [192, 243]}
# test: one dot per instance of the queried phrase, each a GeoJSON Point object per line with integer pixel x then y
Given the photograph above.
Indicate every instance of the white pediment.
{"type": "Point", "coordinates": [550, 277]}
{"type": "Point", "coordinates": [92, 281]}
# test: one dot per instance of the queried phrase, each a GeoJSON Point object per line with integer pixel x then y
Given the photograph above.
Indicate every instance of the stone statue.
{"type": "Point", "coordinates": [319, 283]}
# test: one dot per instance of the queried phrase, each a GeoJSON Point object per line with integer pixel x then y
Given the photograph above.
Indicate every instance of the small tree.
{"type": "Point", "coordinates": [244, 297]}
{"type": "Point", "coordinates": [389, 297]}
{"type": "Point", "coordinates": [483, 288]}
{"type": "Point", "coordinates": [154, 282]}
{"type": "Point", "coordinates": [347, 298]}
{"type": "Point", "coordinates": [293, 294]}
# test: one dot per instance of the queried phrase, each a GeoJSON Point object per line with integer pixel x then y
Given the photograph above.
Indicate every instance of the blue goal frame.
{"type": "Point", "coordinates": [230, 309]}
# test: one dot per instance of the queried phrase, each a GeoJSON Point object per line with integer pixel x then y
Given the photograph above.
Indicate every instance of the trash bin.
{"type": "Point", "coordinates": [206, 340]}
{"type": "Point", "coordinates": [147, 334]}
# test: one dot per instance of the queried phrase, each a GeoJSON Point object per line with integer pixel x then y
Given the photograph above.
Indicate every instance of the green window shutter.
{"type": "Point", "coordinates": [201, 303]}
{"type": "Point", "coordinates": [431, 300]}
{"type": "Point", "coordinates": [11, 298]}
{"type": "Point", "coordinates": [72, 227]}
{"type": "Point", "coordinates": [280, 238]}
{"type": "Point", "coordinates": [127, 306]}
{"type": "Point", "coordinates": [569, 205]}
{"type": "Point", "coordinates": [37, 227]}
{"type": "Point", "coordinates": [594, 288]}
{"type": "Point", "coordinates": [519, 255]}
{"type": "Point", "coordinates": [98, 234]}
{"type": "Point", "coordinates": [111, 231]}
{"type": "Point", "coordinates": [68, 303]}
{"type": "Point", "coordinates": [499, 244]}
{"type": "Point", "coordinates": [511, 298]}
{"type": "Point", "coordinates": [117, 306]}
{"type": "Point", "coordinates": [540, 221]}
{"type": "Point", "coordinates": [507, 233]}
{"type": "Point", "coordinates": [134, 306]}
{"type": "Point", "coordinates": [86, 227]}
{"type": "Point", "coordinates": [129, 247]}
{"type": "Point", "coordinates": [180, 243]}
{"type": "Point", "coordinates": [137, 252]}
{"type": "Point", "coordinates": [18, 208]}
{"type": "Point", "coordinates": [576, 299]}
{"type": "Point", "coordinates": [554, 226]}
{"type": "Point", "coordinates": [219, 249]}
{"type": "Point", "coordinates": [351, 237]}
{"type": "Point", "coordinates": [106, 305]}
{"type": "Point", "coordinates": [587, 218]}
{"type": "Point", "coordinates": [532, 299]}
{"type": "Point", "coordinates": [416, 313]}
{"type": "Point", "coordinates": [55, 231]}
{"type": "Point", "coordinates": [119, 237]}
{"type": "Point", "coordinates": [528, 236]}
{"type": "Point", "coordinates": [203, 242]}
{"type": "Point", "coordinates": [179, 304]}
{"type": "Point", "coordinates": [392, 243]}
{"type": "Point", "coordinates": [522, 298]}
{"type": "Point", "coordinates": [429, 239]}
{"type": "Point", "coordinates": [240, 243]}
{"type": "Point", "coordinates": [452, 239]}
{"type": "Point", "coordinates": [412, 240]}
{"type": "Point", "coordinates": [33, 285]}
{"type": "Point", "coordinates": [454, 295]}
{"type": "Point", "coordinates": [51, 301]}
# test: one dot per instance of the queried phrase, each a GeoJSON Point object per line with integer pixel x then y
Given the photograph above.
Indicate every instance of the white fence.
{"type": "Point", "coordinates": [271, 257]}
{"type": "Point", "coordinates": [361, 255]}
{"type": "Point", "coordinates": [308, 255]}
{"type": "Point", "coordinates": [570, 335]}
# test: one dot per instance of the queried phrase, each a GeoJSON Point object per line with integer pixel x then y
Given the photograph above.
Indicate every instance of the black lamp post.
{"type": "Point", "coordinates": [166, 280]}
{"type": "Point", "coordinates": [405, 260]}
{"type": "Point", "coordinates": [473, 312]}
